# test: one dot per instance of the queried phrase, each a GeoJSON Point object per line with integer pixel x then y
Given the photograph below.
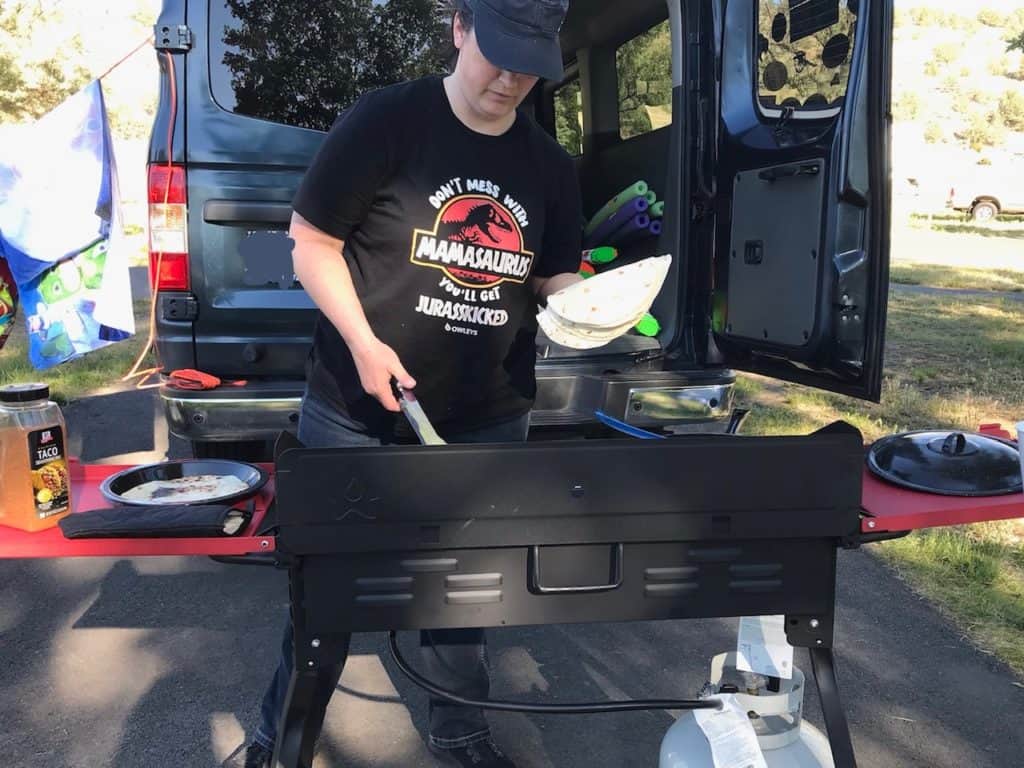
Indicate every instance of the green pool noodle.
{"type": "Point", "coordinates": [652, 198]}
{"type": "Point", "coordinates": [637, 189]}
{"type": "Point", "coordinates": [719, 311]}
{"type": "Point", "coordinates": [648, 325]}
{"type": "Point", "coordinates": [657, 210]}
{"type": "Point", "coordinates": [603, 255]}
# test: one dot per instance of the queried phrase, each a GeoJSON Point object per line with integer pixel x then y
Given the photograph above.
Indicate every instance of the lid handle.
{"type": "Point", "coordinates": [955, 444]}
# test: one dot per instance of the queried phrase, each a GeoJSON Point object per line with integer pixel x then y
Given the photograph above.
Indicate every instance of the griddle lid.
{"type": "Point", "coordinates": [948, 463]}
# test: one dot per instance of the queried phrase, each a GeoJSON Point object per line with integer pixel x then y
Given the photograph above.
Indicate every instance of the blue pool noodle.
{"type": "Point", "coordinates": [617, 220]}
{"type": "Point", "coordinates": [638, 226]}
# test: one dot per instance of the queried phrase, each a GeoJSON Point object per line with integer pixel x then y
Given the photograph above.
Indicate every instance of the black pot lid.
{"type": "Point", "coordinates": [948, 463]}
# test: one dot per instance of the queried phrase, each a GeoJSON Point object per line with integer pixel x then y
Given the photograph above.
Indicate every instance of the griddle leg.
{"type": "Point", "coordinates": [835, 719]}
{"type": "Point", "coordinates": [309, 693]}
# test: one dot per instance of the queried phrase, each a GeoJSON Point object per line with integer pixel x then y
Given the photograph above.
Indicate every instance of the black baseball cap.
{"type": "Point", "coordinates": [521, 35]}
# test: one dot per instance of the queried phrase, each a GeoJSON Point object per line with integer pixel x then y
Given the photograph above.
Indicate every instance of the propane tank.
{"type": "Point", "coordinates": [786, 741]}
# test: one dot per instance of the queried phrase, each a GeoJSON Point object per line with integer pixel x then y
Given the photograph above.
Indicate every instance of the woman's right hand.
{"type": "Point", "coordinates": [378, 364]}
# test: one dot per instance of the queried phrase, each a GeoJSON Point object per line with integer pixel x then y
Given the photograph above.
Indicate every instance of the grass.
{"type": "Point", "coordinates": [953, 222]}
{"type": "Point", "coordinates": [942, 276]}
{"type": "Point", "coordinates": [82, 376]}
{"type": "Point", "coordinates": [976, 581]}
{"type": "Point", "coordinates": [950, 363]}
{"type": "Point", "coordinates": [916, 241]}
{"type": "Point", "coordinates": [957, 216]}
{"type": "Point", "coordinates": [984, 230]}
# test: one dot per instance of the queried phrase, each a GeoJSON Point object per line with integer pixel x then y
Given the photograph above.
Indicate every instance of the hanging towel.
{"type": "Point", "coordinates": [60, 231]}
{"type": "Point", "coordinates": [8, 301]}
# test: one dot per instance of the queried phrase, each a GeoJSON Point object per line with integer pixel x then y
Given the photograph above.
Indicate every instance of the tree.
{"type": "Point", "coordinates": [407, 41]}
{"type": "Point", "coordinates": [927, 17]}
{"type": "Point", "coordinates": [999, 66]}
{"type": "Point", "coordinates": [31, 87]}
{"type": "Point", "coordinates": [303, 63]}
{"type": "Point", "coordinates": [568, 118]}
{"type": "Point", "coordinates": [982, 132]}
{"type": "Point", "coordinates": [946, 53]}
{"type": "Point", "coordinates": [933, 133]}
{"type": "Point", "coordinates": [1011, 109]}
{"type": "Point", "coordinates": [296, 62]}
{"type": "Point", "coordinates": [645, 80]}
{"type": "Point", "coordinates": [990, 17]}
{"type": "Point", "coordinates": [1016, 43]}
{"type": "Point", "coordinates": [906, 107]}
{"type": "Point", "coordinates": [11, 84]}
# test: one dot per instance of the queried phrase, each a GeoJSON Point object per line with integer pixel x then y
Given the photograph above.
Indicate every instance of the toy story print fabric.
{"type": "Point", "coordinates": [60, 231]}
{"type": "Point", "coordinates": [8, 301]}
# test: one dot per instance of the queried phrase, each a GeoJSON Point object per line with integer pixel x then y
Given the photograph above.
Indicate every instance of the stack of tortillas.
{"type": "Point", "coordinates": [594, 312]}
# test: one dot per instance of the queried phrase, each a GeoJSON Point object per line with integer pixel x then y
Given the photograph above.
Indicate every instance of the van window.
{"type": "Point", "coordinates": [569, 117]}
{"type": "Point", "coordinates": [644, 67]}
{"type": "Point", "coordinates": [301, 63]}
{"type": "Point", "coordinates": [804, 53]}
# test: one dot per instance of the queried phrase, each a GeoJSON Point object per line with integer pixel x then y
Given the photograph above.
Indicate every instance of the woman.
{"type": "Point", "coordinates": [431, 222]}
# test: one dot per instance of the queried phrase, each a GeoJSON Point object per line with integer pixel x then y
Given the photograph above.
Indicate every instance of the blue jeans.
{"type": "Point", "coordinates": [455, 659]}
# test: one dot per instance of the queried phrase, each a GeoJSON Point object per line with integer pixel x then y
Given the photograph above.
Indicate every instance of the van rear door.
{"type": "Point", "coordinates": [798, 192]}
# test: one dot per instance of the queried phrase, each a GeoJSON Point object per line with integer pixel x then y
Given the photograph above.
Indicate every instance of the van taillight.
{"type": "Point", "coordinates": [168, 228]}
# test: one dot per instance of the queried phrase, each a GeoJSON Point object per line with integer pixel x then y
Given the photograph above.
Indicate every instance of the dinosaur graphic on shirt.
{"type": "Point", "coordinates": [476, 241]}
{"type": "Point", "coordinates": [478, 223]}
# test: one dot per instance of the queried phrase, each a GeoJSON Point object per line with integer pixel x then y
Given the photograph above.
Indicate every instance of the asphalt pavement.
{"type": "Point", "coordinates": [146, 662]}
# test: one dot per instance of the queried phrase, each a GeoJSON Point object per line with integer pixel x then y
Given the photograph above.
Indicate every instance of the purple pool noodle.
{"type": "Point", "coordinates": [637, 227]}
{"type": "Point", "coordinates": [654, 227]}
{"type": "Point", "coordinates": [618, 219]}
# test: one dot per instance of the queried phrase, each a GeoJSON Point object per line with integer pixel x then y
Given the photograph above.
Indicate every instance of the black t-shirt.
{"type": "Point", "coordinates": [443, 229]}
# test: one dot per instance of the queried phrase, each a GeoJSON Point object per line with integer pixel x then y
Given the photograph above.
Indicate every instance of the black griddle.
{"type": "Point", "coordinates": [415, 537]}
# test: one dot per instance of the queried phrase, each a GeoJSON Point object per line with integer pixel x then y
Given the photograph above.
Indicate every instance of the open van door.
{"type": "Point", "coordinates": [798, 185]}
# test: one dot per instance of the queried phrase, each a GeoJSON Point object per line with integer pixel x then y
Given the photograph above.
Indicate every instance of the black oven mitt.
{"type": "Point", "coordinates": [156, 521]}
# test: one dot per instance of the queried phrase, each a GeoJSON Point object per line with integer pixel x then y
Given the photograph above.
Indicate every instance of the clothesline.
{"type": "Point", "coordinates": [125, 58]}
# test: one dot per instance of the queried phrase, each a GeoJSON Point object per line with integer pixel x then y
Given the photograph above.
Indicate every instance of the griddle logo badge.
{"type": "Point", "coordinates": [357, 499]}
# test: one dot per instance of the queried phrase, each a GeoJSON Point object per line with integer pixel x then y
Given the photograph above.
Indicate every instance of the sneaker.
{"type": "Point", "coordinates": [258, 756]}
{"type": "Point", "coordinates": [479, 754]}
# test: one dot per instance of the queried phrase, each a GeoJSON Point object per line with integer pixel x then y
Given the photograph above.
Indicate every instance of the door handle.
{"type": "Point", "coordinates": [537, 588]}
{"type": "Point", "coordinates": [789, 171]}
{"type": "Point", "coordinates": [241, 211]}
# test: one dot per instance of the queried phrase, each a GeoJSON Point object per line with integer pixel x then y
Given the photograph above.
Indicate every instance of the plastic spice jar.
{"type": "Point", "coordinates": [35, 487]}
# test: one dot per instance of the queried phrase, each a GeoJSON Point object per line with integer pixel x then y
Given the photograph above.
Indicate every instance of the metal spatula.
{"type": "Point", "coordinates": [417, 418]}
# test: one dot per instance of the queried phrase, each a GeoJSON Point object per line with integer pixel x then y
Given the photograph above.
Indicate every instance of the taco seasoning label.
{"type": "Point", "coordinates": [49, 468]}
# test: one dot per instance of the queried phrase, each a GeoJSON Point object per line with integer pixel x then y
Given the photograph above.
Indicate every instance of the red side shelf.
{"type": "Point", "coordinates": [85, 485]}
{"type": "Point", "coordinates": [889, 508]}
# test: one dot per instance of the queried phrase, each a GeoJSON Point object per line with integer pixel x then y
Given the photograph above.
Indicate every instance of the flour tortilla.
{"type": "Point", "coordinates": [557, 333]}
{"type": "Point", "coordinates": [589, 332]}
{"type": "Point", "coordinates": [610, 300]}
{"type": "Point", "coordinates": [186, 489]}
{"type": "Point", "coordinates": [576, 337]}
